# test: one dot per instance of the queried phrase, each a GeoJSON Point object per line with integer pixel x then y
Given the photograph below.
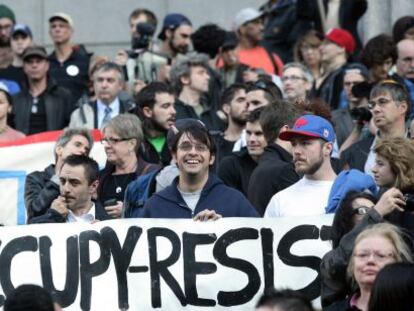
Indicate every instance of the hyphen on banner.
{"type": "Point", "coordinates": [19, 158]}
{"type": "Point", "coordinates": [142, 264]}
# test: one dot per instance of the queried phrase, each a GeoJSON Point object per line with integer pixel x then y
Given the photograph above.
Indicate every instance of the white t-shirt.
{"type": "Point", "coordinates": [305, 197]}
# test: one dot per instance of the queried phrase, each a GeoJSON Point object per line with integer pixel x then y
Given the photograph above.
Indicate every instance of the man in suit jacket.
{"type": "Point", "coordinates": [108, 82]}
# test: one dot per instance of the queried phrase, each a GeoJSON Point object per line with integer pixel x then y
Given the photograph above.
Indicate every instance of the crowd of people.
{"type": "Point", "coordinates": [286, 114]}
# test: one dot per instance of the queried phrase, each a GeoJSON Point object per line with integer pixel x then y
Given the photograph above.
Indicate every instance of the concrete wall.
{"type": "Point", "coordinates": [102, 25]}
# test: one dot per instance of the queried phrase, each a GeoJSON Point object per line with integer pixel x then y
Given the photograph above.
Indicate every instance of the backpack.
{"type": "Point", "coordinates": [138, 192]}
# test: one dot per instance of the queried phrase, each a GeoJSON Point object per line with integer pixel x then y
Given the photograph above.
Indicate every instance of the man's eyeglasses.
{"type": "Point", "coordinates": [186, 147]}
{"type": "Point", "coordinates": [292, 78]}
{"type": "Point", "coordinates": [113, 141]}
{"type": "Point", "coordinates": [382, 102]}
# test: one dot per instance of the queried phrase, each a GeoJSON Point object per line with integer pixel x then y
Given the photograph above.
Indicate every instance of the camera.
{"type": "Point", "coordinates": [361, 114]}
{"type": "Point", "coordinates": [362, 89]}
{"type": "Point", "coordinates": [142, 40]}
{"type": "Point", "coordinates": [409, 202]}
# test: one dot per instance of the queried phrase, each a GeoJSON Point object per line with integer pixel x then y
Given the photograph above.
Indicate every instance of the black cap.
{"type": "Point", "coordinates": [35, 50]}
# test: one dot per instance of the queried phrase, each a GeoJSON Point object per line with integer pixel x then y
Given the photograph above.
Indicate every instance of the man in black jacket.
{"type": "Point", "coordinates": [235, 169]}
{"type": "Point", "coordinates": [275, 171]}
{"type": "Point", "coordinates": [78, 180]}
{"type": "Point", "coordinates": [41, 105]}
{"type": "Point", "coordinates": [155, 106]}
{"type": "Point", "coordinates": [42, 187]}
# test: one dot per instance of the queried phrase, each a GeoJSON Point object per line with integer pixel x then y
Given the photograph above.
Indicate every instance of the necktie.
{"type": "Point", "coordinates": [107, 116]}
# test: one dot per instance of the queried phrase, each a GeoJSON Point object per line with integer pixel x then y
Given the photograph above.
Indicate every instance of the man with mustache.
{"type": "Point", "coordinates": [312, 139]}
{"type": "Point", "coordinates": [78, 179]}
{"type": "Point", "coordinates": [156, 109]}
{"type": "Point", "coordinates": [42, 187]}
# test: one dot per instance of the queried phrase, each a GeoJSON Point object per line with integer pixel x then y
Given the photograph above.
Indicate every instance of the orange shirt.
{"type": "Point", "coordinates": [256, 58]}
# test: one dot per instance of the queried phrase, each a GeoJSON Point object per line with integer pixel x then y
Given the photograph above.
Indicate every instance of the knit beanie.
{"type": "Point", "coordinates": [6, 12]}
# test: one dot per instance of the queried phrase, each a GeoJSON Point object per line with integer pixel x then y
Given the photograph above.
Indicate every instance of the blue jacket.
{"type": "Point", "coordinates": [215, 195]}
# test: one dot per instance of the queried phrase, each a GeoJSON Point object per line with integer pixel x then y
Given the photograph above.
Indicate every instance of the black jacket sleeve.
{"type": "Point", "coordinates": [39, 194]}
{"type": "Point", "coordinates": [51, 216]}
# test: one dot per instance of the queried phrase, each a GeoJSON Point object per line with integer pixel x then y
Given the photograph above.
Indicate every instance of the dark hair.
{"type": "Point", "coordinates": [229, 93]}
{"type": "Point", "coordinates": [146, 97]}
{"type": "Point", "coordinates": [275, 116]}
{"type": "Point", "coordinates": [393, 288]}
{"type": "Point", "coordinates": [401, 26]}
{"type": "Point", "coordinates": [271, 90]}
{"type": "Point", "coordinates": [285, 300]}
{"type": "Point", "coordinates": [208, 38]}
{"type": "Point", "coordinates": [230, 41]}
{"type": "Point", "coordinates": [378, 50]}
{"type": "Point", "coordinates": [90, 165]}
{"type": "Point", "coordinates": [29, 297]}
{"type": "Point", "coordinates": [152, 19]}
{"type": "Point", "coordinates": [254, 115]}
{"type": "Point", "coordinates": [342, 222]}
{"type": "Point", "coordinates": [197, 131]}
{"type": "Point", "coordinates": [8, 97]}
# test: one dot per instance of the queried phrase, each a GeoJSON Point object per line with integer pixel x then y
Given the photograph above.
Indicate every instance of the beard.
{"type": "Point", "coordinates": [239, 120]}
{"type": "Point", "coordinates": [312, 168]}
{"type": "Point", "coordinates": [178, 49]}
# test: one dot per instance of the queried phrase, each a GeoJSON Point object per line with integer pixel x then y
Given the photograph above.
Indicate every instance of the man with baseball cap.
{"type": "Point", "coordinates": [312, 139]}
{"type": "Point", "coordinates": [21, 38]}
{"type": "Point", "coordinates": [248, 25]}
{"type": "Point", "coordinates": [337, 46]}
{"type": "Point", "coordinates": [69, 63]}
{"type": "Point", "coordinates": [41, 105]}
{"type": "Point", "coordinates": [175, 35]}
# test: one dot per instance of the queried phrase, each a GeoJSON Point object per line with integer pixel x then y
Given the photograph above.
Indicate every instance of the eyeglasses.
{"type": "Point", "coordinates": [382, 102]}
{"type": "Point", "coordinates": [112, 141]}
{"type": "Point", "coordinates": [186, 147]}
{"type": "Point", "coordinates": [378, 256]}
{"type": "Point", "coordinates": [292, 78]}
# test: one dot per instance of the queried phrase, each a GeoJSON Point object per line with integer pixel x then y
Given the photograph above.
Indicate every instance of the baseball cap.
{"type": "Point", "coordinates": [172, 21]}
{"type": "Point", "coordinates": [22, 28]}
{"type": "Point", "coordinates": [35, 50]}
{"type": "Point", "coordinates": [244, 16]}
{"type": "Point", "coordinates": [4, 87]}
{"type": "Point", "coordinates": [310, 126]}
{"type": "Point", "coordinates": [63, 16]}
{"type": "Point", "coordinates": [341, 37]}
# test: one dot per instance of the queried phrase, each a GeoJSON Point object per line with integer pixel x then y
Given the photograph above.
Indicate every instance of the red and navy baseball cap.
{"type": "Point", "coordinates": [310, 126]}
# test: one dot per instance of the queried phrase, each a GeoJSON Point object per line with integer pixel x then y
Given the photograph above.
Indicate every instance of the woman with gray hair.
{"type": "Point", "coordinates": [374, 248]}
{"type": "Point", "coordinates": [122, 138]}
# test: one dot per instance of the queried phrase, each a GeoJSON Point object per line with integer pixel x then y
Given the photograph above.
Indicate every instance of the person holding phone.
{"type": "Point", "coordinates": [122, 137]}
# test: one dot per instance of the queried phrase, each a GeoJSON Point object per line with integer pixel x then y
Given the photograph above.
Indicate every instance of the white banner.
{"type": "Point", "coordinates": [22, 157]}
{"type": "Point", "coordinates": [142, 264]}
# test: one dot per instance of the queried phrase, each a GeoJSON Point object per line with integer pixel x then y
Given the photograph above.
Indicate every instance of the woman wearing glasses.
{"type": "Point", "coordinates": [122, 138]}
{"type": "Point", "coordinates": [374, 248]}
